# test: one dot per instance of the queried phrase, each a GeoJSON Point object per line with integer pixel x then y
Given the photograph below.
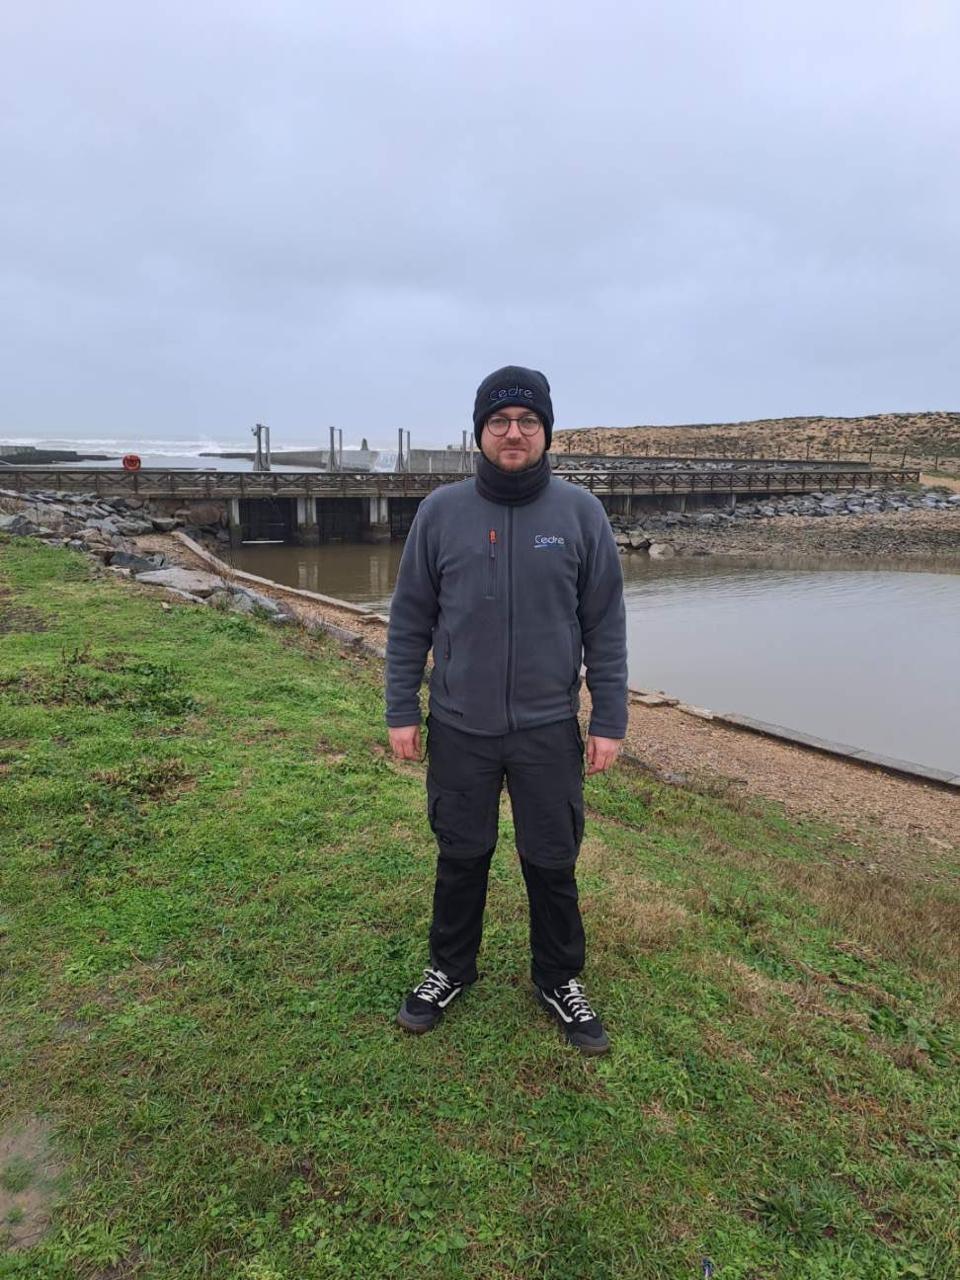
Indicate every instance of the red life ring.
{"type": "Point", "coordinates": [131, 462]}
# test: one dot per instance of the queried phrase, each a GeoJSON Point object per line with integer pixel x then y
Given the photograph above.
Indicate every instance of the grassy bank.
{"type": "Point", "coordinates": [214, 891]}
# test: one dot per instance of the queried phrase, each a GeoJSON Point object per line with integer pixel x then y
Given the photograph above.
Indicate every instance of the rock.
{"type": "Point", "coordinates": [189, 581]}
{"type": "Point", "coordinates": [660, 550]}
{"type": "Point", "coordinates": [246, 601]}
{"type": "Point", "coordinates": [621, 539]}
{"type": "Point", "coordinates": [94, 538]}
{"type": "Point", "coordinates": [133, 528]}
{"type": "Point", "coordinates": [163, 524]}
{"type": "Point", "coordinates": [638, 541]}
{"type": "Point", "coordinates": [202, 513]}
{"type": "Point", "coordinates": [138, 564]}
{"type": "Point", "coordinates": [18, 525]}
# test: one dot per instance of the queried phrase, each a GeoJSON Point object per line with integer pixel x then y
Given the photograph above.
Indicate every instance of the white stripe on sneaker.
{"type": "Point", "coordinates": [559, 1008]}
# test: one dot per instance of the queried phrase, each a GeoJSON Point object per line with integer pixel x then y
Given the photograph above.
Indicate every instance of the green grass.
{"type": "Point", "coordinates": [215, 889]}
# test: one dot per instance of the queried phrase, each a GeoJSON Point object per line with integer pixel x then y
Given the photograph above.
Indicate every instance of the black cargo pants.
{"type": "Point", "coordinates": [543, 768]}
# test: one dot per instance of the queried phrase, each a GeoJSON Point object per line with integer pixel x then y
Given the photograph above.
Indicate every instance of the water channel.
{"type": "Point", "coordinates": [865, 652]}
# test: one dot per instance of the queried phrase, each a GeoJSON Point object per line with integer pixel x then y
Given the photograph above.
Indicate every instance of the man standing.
{"type": "Point", "coordinates": [513, 577]}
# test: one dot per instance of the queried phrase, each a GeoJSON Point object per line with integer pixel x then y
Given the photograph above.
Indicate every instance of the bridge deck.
{"type": "Point", "coordinates": [164, 483]}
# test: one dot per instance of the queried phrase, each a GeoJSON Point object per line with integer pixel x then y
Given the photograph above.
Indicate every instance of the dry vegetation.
{"type": "Point", "coordinates": [920, 437]}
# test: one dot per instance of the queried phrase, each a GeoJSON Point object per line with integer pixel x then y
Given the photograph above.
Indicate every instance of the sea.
{"type": "Point", "coordinates": [191, 455]}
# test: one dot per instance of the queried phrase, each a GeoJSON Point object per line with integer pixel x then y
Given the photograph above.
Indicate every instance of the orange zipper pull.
{"type": "Point", "coordinates": [493, 543]}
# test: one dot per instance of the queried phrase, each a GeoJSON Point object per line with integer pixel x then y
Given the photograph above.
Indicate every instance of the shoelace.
{"type": "Point", "coordinates": [576, 1001]}
{"type": "Point", "coordinates": [434, 985]}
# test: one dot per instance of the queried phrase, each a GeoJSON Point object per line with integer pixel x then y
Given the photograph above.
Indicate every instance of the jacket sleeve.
{"type": "Point", "coordinates": [603, 625]}
{"type": "Point", "coordinates": [413, 612]}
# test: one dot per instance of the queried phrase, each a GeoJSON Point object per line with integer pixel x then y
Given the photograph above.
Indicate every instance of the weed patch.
{"type": "Point", "coordinates": [109, 682]}
{"type": "Point", "coordinates": [147, 779]}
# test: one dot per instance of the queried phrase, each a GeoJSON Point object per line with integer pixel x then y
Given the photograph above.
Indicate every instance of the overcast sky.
{"type": "Point", "coordinates": [314, 213]}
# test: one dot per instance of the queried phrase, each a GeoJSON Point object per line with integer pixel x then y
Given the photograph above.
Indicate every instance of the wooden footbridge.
{"type": "Point", "coordinates": [616, 481]}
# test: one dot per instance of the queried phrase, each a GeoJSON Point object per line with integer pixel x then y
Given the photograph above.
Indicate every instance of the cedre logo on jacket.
{"type": "Point", "coordinates": [548, 540]}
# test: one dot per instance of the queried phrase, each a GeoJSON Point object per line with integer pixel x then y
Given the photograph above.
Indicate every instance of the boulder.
{"type": "Point", "coordinates": [193, 582]}
{"type": "Point", "coordinates": [18, 525]}
{"type": "Point", "coordinates": [638, 542]}
{"type": "Point", "coordinates": [133, 528]}
{"type": "Point", "coordinates": [246, 601]}
{"type": "Point", "coordinates": [203, 513]}
{"type": "Point", "coordinates": [92, 538]}
{"type": "Point", "coordinates": [660, 550]}
{"type": "Point", "coordinates": [164, 524]}
{"type": "Point", "coordinates": [138, 564]}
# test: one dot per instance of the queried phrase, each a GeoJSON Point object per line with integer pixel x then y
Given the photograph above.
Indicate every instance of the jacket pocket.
{"type": "Point", "coordinates": [442, 651]}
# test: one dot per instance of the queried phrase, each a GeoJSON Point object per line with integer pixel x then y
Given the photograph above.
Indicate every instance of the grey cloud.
{"type": "Point", "coordinates": [683, 212]}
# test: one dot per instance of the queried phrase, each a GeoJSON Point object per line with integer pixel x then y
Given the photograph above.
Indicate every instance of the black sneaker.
{"type": "Point", "coordinates": [425, 1005]}
{"type": "Point", "coordinates": [568, 1004]}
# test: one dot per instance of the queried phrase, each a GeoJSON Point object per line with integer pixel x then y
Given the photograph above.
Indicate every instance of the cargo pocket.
{"type": "Point", "coordinates": [581, 748]}
{"type": "Point", "coordinates": [464, 822]}
{"type": "Point", "coordinates": [577, 821]}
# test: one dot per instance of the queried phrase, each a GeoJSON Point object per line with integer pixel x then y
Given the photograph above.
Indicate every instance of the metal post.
{"type": "Point", "coordinates": [407, 455]}
{"type": "Point", "coordinates": [261, 462]}
{"type": "Point", "coordinates": [333, 451]}
{"type": "Point", "coordinates": [400, 466]}
{"type": "Point", "coordinates": [340, 454]}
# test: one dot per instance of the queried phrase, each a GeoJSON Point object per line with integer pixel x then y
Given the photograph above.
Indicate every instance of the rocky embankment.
{"type": "Point", "coordinates": [864, 521]}
{"type": "Point", "coordinates": [107, 528]}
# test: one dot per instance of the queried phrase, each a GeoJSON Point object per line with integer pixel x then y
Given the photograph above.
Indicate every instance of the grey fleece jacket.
{"type": "Point", "coordinates": [512, 599]}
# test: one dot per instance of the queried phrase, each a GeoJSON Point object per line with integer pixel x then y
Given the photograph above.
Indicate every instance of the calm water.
{"type": "Point", "coordinates": [864, 652]}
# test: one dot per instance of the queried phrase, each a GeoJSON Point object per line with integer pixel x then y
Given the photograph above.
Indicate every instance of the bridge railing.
{"type": "Point", "coordinates": [170, 483]}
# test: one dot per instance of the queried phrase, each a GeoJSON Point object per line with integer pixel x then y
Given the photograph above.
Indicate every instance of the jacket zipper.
{"type": "Point", "coordinates": [446, 662]}
{"type": "Point", "coordinates": [511, 723]}
{"type": "Point", "coordinates": [491, 590]}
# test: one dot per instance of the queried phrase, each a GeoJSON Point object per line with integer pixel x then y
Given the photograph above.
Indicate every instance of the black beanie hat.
{"type": "Point", "coordinates": [513, 385]}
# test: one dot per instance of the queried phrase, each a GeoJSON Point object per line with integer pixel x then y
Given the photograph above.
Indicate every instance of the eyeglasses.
{"type": "Point", "coordinates": [500, 424]}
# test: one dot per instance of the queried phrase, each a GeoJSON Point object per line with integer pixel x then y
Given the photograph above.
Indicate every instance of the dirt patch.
{"type": "Point", "coordinates": [21, 619]}
{"type": "Point", "coordinates": [329, 754]}
{"type": "Point", "coordinates": [30, 1180]}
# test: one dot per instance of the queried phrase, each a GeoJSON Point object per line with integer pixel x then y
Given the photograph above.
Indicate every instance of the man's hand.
{"type": "Point", "coordinates": [405, 742]}
{"type": "Point", "coordinates": [601, 753]}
